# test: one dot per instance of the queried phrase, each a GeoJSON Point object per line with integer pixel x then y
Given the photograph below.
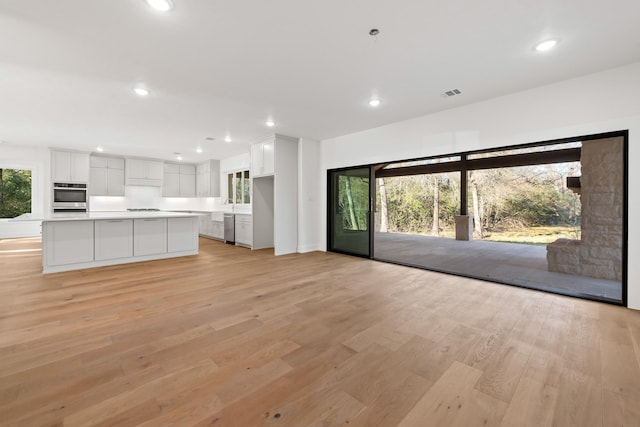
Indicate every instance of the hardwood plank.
{"type": "Point", "coordinates": [442, 404]}
{"type": "Point", "coordinates": [579, 400]}
{"type": "Point", "coordinates": [503, 373]}
{"type": "Point", "coordinates": [533, 404]}
{"type": "Point", "coordinates": [395, 401]}
{"type": "Point", "coordinates": [620, 409]}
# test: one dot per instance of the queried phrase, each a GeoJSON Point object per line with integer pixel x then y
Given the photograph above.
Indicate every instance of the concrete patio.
{"type": "Point", "coordinates": [519, 264]}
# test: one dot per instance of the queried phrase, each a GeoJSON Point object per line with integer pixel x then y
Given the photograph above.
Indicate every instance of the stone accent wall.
{"type": "Point", "coordinates": [599, 252]}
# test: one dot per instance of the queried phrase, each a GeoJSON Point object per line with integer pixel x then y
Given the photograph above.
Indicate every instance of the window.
{"type": "Point", "coordinates": [239, 187]}
{"type": "Point", "coordinates": [15, 192]}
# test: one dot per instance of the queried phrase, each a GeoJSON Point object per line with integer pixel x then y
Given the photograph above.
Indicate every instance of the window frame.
{"type": "Point", "coordinates": [233, 186]}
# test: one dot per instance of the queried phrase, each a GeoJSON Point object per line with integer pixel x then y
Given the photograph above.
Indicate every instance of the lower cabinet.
{"type": "Point", "coordinates": [244, 230]}
{"type": "Point", "coordinates": [182, 234]}
{"type": "Point", "coordinates": [209, 228]}
{"type": "Point", "coordinates": [78, 244]}
{"type": "Point", "coordinates": [68, 242]}
{"type": "Point", "coordinates": [149, 236]}
{"type": "Point", "coordinates": [217, 229]}
{"type": "Point", "coordinates": [114, 239]}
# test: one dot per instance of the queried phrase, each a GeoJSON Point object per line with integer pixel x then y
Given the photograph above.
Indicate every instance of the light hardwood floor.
{"type": "Point", "coordinates": [238, 338]}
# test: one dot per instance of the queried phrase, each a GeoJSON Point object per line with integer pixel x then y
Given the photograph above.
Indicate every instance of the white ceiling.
{"type": "Point", "coordinates": [67, 67]}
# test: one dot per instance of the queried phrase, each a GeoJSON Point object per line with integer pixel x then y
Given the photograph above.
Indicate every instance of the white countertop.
{"type": "Point", "coordinates": [91, 216]}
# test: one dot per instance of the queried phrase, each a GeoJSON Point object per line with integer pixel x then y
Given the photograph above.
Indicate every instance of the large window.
{"type": "Point", "coordinates": [239, 187]}
{"type": "Point", "coordinates": [15, 192]}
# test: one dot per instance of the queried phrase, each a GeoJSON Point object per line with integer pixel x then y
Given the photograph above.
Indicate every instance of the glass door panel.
{"type": "Point", "coordinates": [349, 211]}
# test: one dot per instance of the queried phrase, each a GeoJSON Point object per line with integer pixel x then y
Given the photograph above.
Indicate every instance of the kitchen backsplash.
{"type": "Point", "coordinates": [151, 197]}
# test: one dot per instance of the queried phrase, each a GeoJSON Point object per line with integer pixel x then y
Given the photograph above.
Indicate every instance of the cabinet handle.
{"type": "Point", "coordinates": [154, 219]}
{"type": "Point", "coordinates": [115, 220]}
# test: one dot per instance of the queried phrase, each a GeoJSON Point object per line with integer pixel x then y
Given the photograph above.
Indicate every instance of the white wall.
{"type": "Point", "coordinates": [309, 186]}
{"type": "Point", "coordinates": [596, 103]}
{"type": "Point", "coordinates": [285, 195]}
{"type": "Point", "coordinates": [37, 160]}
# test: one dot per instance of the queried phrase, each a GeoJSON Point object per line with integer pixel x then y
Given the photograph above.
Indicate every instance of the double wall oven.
{"type": "Point", "coordinates": [69, 197]}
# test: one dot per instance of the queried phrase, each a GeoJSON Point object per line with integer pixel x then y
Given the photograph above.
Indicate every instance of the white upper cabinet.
{"type": "Point", "coordinates": [69, 166]}
{"type": "Point", "coordinates": [208, 179]}
{"type": "Point", "coordinates": [187, 185]}
{"type": "Point", "coordinates": [262, 158]}
{"type": "Point", "coordinates": [179, 180]}
{"type": "Point", "coordinates": [144, 172]}
{"type": "Point", "coordinates": [107, 176]}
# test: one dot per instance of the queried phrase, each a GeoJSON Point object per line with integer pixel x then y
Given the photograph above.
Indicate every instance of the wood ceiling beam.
{"type": "Point", "coordinates": [513, 160]}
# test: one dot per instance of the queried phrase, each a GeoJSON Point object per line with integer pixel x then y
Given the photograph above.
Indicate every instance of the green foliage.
{"type": "Point", "coordinates": [508, 198]}
{"type": "Point", "coordinates": [410, 201]}
{"type": "Point", "coordinates": [15, 192]}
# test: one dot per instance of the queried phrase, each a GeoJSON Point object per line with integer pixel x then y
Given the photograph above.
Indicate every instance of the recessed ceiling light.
{"type": "Point", "coordinates": [160, 5]}
{"type": "Point", "coordinates": [100, 149]}
{"type": "Point", "coordinates": [178, 157]}
{"type": "Point", "coordinates": [270, 123]}
{"type": "Point", "coordinates": [374, 102]}
{"type": "Point", "coordinates": [546, 45]}
{"type": "Point", "coordinates": [198, 150]}
{"type": "Point", "coordinates": [140, 91]}
{"type": "Point", "coordinates": [227, 138]}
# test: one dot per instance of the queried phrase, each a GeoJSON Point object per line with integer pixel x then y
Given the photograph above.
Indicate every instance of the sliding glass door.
{"type": "Point", "coordinates": [349, 211]}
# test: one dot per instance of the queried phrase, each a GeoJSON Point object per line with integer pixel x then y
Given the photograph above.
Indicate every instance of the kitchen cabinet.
{"type": "Point", "coordinates": [113, 239]}
{"type": "Point", "coordinates": [144, 172]}
{"type": "Point", "coordinates": [69, 166]}
{"type": "Point", "coordinates": [182, 234]}
{"type": "Point", "coordinates": [262, 158]}
{"type": "Point", "coordinates": [68, 242]}
{"type": "Point", "coordinates": [210, 228]}
{"type": "Point", "coordinates": [244, 230]}
{"type": "Point", "coordinates": [106, 176]}
{"type": "Point", "coordinates": [149, 236]}
{"type": "Point", "coordinates": [179, 180]}
{"type": "Point", "coordinates": [208, 179]}
{"type": "Point", "coordinates": [96, 239]}
{"type": "Point", "coordinates": [217, 230]}
{"type": "Point", "coordinates": [204, 227]}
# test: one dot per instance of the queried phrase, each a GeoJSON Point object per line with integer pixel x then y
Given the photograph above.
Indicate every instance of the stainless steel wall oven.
{"type": "Point", "coordinates": [69, 197]}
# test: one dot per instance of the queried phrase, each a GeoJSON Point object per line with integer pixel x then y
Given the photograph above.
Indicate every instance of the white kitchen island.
{"type": "Point", "coordinates": [75, 241]}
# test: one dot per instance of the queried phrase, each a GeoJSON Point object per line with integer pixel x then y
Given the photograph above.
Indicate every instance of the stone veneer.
{"type": "Point", "coordinates": [599, 251]}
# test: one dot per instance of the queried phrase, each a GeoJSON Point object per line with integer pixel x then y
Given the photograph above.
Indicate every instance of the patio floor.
{"type": "Point", "coordinates": [519, 264]}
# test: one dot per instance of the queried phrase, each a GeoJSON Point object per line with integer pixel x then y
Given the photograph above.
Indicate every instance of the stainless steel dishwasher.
{"type": "Point", "coordinates": [229, 228]}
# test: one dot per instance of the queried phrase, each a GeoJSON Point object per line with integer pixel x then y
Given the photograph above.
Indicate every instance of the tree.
{"type": "Point", "coordinates": [384, 215]}
{"type": "Point", "coordinates": [435, 223]}
{"type": "Point", "coordinates": [352, 212]}
{"type": "Point", "coordinates": [15, 192]}
{"type": "Point", "coordinates": [477, 219]}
